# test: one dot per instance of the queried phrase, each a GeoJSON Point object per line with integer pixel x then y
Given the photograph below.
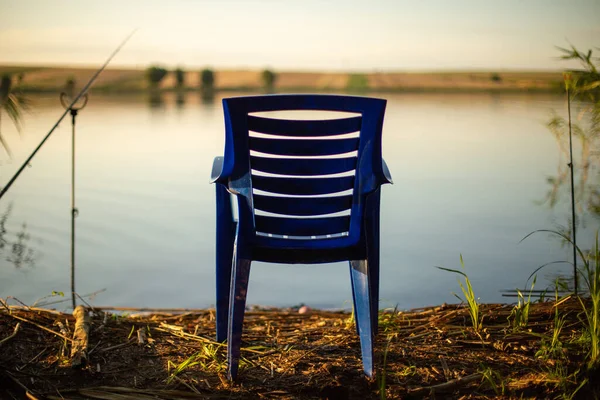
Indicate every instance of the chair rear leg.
{"type": "Point", "coordinates": [373, 262]}
{"type": "Point", "coordinates": [373, 241]}
{"type": "Point", "coordinates": [224, 257]}
{"type": "Point", "coordinates": [239, 289]}
{"type": "Point", "coordinates": [353, 298]}
{"type": "Point", "coordinates": [362, 311]}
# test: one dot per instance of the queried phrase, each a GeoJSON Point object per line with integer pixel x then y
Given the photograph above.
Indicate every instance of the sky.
{"type": "Point", "coordinates": [365, 35]}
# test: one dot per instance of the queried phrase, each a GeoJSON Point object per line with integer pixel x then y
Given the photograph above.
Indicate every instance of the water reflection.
{"type": "Point", "coordinates": [180, 99]}
{"type": "Point", "coordinates": [19, 253]}
{"type": "Point", "coordinates": [584, 192]}
{"type": "Point", "coordinates": [156, 99]}
{"type": "Point", "coordinates": [586, 175]}
{"type": "Point", "coordinates": [207, 96]}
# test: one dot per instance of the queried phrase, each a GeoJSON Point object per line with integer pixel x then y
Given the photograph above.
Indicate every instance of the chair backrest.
{"type": "Point", "coordinates": [303, 180]}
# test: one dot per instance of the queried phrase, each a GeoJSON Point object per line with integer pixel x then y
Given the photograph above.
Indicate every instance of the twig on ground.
{"type": "Point", "coordinates": [12, 335]}
{"type": "Point", "coordinates": [18, 301]}
{"type": "Point", "coordinates": [116, 346]}
{"type": "Point", "coordinates": [447, 386]}
{"type": "Point", "coordinates": [41, 327]}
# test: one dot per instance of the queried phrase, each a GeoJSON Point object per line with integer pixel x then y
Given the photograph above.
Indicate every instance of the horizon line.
{"type": "Point", "coordinates": [284, 70]}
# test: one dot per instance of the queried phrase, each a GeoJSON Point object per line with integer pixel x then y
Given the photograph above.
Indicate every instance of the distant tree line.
{"type": "Point", "coordinates": [156, 73]}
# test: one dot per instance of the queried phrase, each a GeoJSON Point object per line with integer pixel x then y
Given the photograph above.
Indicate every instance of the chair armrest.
{"type": "Point", "coordinates": [217, 168]}
{"type": "Point", "coordinates": [386, 172]}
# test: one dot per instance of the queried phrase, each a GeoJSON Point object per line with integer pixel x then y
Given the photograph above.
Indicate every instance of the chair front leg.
{"type": "Point", "coordinates": [224, 257]}
{"type": "Point", "coordinates": [239, 289]}
{"type": "Point", "coordinates": [362, 311]}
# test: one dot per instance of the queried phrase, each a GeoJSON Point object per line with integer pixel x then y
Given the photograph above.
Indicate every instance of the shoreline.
{"type": "Point", "coordinates": [420, 353]}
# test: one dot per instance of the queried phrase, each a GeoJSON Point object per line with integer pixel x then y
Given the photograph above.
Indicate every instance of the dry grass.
{"type": "Point", "coordinates": [465, 80]}
{"type": "Point", "coordinates": [319, 81]}
{"type": "Point", "coordinates": [430, 352]}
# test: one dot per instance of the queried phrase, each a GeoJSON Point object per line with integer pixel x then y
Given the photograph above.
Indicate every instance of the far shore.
{"type": "Point", "coordinates": [118, 80]}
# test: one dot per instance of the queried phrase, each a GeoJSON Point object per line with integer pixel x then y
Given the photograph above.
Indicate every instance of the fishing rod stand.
{"type": "Point", "coordinates": [65, 100]}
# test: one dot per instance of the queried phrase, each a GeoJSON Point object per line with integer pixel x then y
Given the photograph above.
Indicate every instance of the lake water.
{"type": "Point", "coordinates": [469, 172]}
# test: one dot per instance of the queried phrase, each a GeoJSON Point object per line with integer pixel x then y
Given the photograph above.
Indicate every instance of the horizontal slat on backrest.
{"type": "Point", "coordinates": [302, 186]}
{"type": "Point", "coordinates": [302, 205]}
{"type": "Point", "coordinates": [286, 127]}
{"type": "Point", "coordinates": [301, 227]}
{"type": "Point", "coordinates": [303, 166]}
{"type": "Point", "coordinates": [312, 147]}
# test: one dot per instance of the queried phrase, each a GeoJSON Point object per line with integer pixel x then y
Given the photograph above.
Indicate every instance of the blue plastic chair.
{"type": "Point", "coordinates": [308, 191]}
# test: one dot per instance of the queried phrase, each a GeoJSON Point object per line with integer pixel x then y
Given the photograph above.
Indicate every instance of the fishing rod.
{"type": "Point", "coordinates": [67, 111]}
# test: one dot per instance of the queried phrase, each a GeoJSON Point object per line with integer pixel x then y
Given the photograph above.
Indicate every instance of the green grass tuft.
{"type": "Point", "coordinates": [470, 299]}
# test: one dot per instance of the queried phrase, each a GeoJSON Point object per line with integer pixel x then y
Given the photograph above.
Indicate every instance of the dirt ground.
{"type": "Point", "coordinates": [426, 353]}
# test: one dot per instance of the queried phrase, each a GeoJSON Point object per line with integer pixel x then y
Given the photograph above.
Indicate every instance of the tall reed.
{"type": "Point", "coordinates": [590, 275]}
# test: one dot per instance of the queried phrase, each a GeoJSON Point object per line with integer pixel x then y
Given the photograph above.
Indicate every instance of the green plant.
{"type": "Point", "coordinates": [269, 77]}
{"type": "Point", "coordinates": [357, 82]}
{"type": "Point", "coordinates": [469, 294]}
{"type": "Point", "coordinates": [495, 77]}
{"type": "Point", "coordinates": [349, 322]}
{"type": "Point", "coordinates": [207, 358]}
{"type": "Point", "coordinates": [388, 321]}
{"type": "Point", "coordinates": [590, 274]}
{"type": "Point", "coordinates": [587, 80]}
{"type": "Point", "coordinates": [520, 313]}
{"type": "Point", "coordinates": [207, 78]}
{"type": "Point", "coordinates": [155, 75]}
{"type": "Point", "coordinates": [494, 380]}
{"type": "Point", "coordinates": [581, 132]}
{"type": "Point", "coordinates": [382, 384]}
{"type": "Point", "coordinates": [131, 332]}
{"type": "Point", "coordinates": [564, 381]}
{"type": "Point", "coordinates": [13, 102]}
{"type": "Point", "coordinates": [556, 345]}
{"type": "Point", "coordinates": [410, 370]}
{"type": "Point", "coordinates": [552, 346]}
{"type": "Point", "coordinates": [179, 77]}
{"type": "Point", "coordinates": [53, 294]}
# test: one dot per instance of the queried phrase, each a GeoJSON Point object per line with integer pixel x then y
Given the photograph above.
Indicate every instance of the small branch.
{"type": "Point", "coordinates": [85, 302]}
{"type": "Point", "coordinates": [178, 331]}
{"type": "Point", "coordinates": [27, 392]}
{"type": "Point", "coordinates": [147, 309]}
{"type": "Point", "coordinates": [4, 304]}
{"type": "Point", "coordinates": [27, 308]}
{"type": "Point", "coordinates": [41, 327]}
{"type": "Point", "coordinates": [12, 335]}
{"type": "Point", "coordinates": [18, 301]}
{"type": "Point", "coordinates": [447, 373]}
{"type": "Point", "coordinates": [117, 346]}
{"type": "Point", "coordinates": [447, 386]}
